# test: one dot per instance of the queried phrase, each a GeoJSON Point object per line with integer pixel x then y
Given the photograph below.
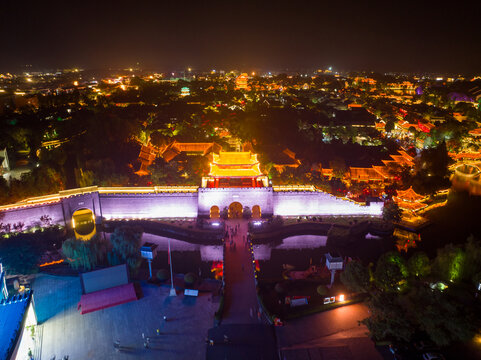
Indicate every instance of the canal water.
{"type": "Point", "coordinates": [202, 260]}
{"type": "Point", "coordinates": [294, 252]}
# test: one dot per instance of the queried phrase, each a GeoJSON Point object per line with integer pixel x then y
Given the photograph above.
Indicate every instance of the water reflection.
{"type": "Point", "coordinates": [186, 257]}
{"type": "Point", "coordinates": [295, 252]}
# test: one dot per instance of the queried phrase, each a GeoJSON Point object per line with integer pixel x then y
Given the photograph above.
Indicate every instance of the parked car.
{"type": "Point", "coordinates": [433, 356]}
{"type": "Point", "coordinates": [400, 351]}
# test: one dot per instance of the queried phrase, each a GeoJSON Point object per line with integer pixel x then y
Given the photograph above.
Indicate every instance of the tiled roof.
{"type": "Point", "coordinates": [235, 158]}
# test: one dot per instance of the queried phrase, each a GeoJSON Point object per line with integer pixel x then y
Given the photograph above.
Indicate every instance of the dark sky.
{"type": "Point", "coordinates": [388, 35]}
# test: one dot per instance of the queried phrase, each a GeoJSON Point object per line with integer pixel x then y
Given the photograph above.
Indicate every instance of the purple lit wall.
{"type": "Point", "coordinates": [158, 205]}
{"type": "Point", "coordinates": [295, 203]}
{"type": "Point", "coordinates": [30, 216]}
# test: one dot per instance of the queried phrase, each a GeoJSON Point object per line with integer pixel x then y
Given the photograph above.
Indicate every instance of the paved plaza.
{"type": "Point", "coordinates": [91, 336]}
{"type": "Point", "coordinates": [333, 334]}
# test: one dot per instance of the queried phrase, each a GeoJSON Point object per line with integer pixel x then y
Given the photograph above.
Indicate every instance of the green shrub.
{"type": "Point", "coordinates": [189, 278]}
{"type": "Point", "coordinates": [280, 288]}
{"type": "Point", "coordinates": [162, 274]}
{"type": "Point", "coordinates": [322, 290]}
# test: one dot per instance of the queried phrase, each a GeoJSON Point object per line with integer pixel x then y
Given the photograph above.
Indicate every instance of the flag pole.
{"type": "Point", "coordinates": [172, 289]}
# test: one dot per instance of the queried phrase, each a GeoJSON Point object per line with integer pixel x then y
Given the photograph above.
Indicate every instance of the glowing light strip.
{"type": "Point", "coordinates": [53, 198]}
{"type": "Point", "coordinates": [51, 263]}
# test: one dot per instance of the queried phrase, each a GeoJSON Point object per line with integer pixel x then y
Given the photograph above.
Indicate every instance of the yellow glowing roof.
{"type": "Point", "coordinates": [409, 195]}
{"type": "Point", "coordinates": [215, 170]}
{"type": "Point", "coordinates": [235, 158]}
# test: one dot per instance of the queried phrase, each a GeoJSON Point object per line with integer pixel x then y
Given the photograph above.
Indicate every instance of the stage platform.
{"type": "Point", "coordinates": [103, 299]}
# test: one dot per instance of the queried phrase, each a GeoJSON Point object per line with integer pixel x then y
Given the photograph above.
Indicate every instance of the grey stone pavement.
{"type": "Point", "coordinates": [333, 334]}
{"type": "Point", "coordinates": [91, 336]}
{"type": "Point", "coordinates": [240, 290]}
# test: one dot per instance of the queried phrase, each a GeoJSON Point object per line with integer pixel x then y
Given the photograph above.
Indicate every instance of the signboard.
{"type": "Point", "coordinates": [148, 251]}
{"type": "Point", "coordinates": [191, 292]}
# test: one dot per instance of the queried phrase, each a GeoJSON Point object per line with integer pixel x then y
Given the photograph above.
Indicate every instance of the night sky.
{"type": "Point", "coordinates": [296, 35]}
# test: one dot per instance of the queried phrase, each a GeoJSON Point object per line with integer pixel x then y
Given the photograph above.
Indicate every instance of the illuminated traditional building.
{"type": "Point", "coordinates": [235, 169]}
{"type": "Point", "coordinates": [241, 82]}
{"type": "Point", "coordinates": [185, 91]}
{"type": "Point", "coordinates": [409, 200]}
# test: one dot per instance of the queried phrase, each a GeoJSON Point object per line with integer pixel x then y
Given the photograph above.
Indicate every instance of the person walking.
{"type": "Point", "coordinates": [117, 345]}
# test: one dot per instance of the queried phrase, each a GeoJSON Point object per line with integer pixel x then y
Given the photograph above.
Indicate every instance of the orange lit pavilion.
{"type": "Point", "coordinates": [241, 81]}
{"type": "Point", "coordinates": [235, 169]}
{"type": "Point", "coordinates": [409, 200]}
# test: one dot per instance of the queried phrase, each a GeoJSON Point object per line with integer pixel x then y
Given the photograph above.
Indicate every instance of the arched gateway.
{"type": "Point", "coordinates": [235, 210]}
{"type": "Point", "coordinates": [256, 212]}
{"type": "Point", "coordinates": [214, 212]}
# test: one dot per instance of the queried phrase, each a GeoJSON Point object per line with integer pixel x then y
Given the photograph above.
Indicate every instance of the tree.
{"type": "Point", "coordinates": [390, 125]}
{"type": "Point", "coordinates": [388, 318]}
{"type": "Point", "coordinates": [444, 318]}
{"type": "Point", "coordinates": [391, 211]}
{"type": "Point", "coordinates": [158, 139]}
{"type": "Point", "coordinates": [356, 277]}
{"type": "Point", "coordinates": [391, 272]}
{"type": "Point", "coordinates": [419, 265]}
{"type": "Point", "coordinates": [338, 167]}
{"type": "Point", "coordinates": [472, 261]}
{"type": "Point", "coordinates": [81, 254]}
{"type": "Point", "coordinates": [125, 242]}
{"type": "Point", "coordinates": [19, 254]}
{"type": "Point", "coordinates": [449, 263]}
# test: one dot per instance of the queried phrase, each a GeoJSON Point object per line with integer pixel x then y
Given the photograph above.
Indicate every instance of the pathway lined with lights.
{"type": "Point", "coordinates": [241, 304]}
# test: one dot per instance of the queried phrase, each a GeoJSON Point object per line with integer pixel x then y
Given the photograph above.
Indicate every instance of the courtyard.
{"type": "Point", "coordinates": [63, 331]}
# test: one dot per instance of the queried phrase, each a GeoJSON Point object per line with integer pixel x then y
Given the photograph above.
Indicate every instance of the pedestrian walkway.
{"type": "Point", "coordinates": [241, 306]}
{"type": "Point", "coordinates": [242, 334]}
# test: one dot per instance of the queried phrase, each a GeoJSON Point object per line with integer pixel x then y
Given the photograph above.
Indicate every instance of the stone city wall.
{"type": "Point", "coordinates": [297, 203]}
{"type": "Point", "coordinates": [30, 215]}
{"type": "Point", "coordinates": [160, 205]}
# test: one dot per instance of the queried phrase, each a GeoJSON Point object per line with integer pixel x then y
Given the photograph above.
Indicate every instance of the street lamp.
{"type": "Point", "coordinates": [148, 252]}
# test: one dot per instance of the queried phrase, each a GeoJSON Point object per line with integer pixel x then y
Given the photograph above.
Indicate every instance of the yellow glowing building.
{"type": "Point", "coordinates": [241, 82]}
